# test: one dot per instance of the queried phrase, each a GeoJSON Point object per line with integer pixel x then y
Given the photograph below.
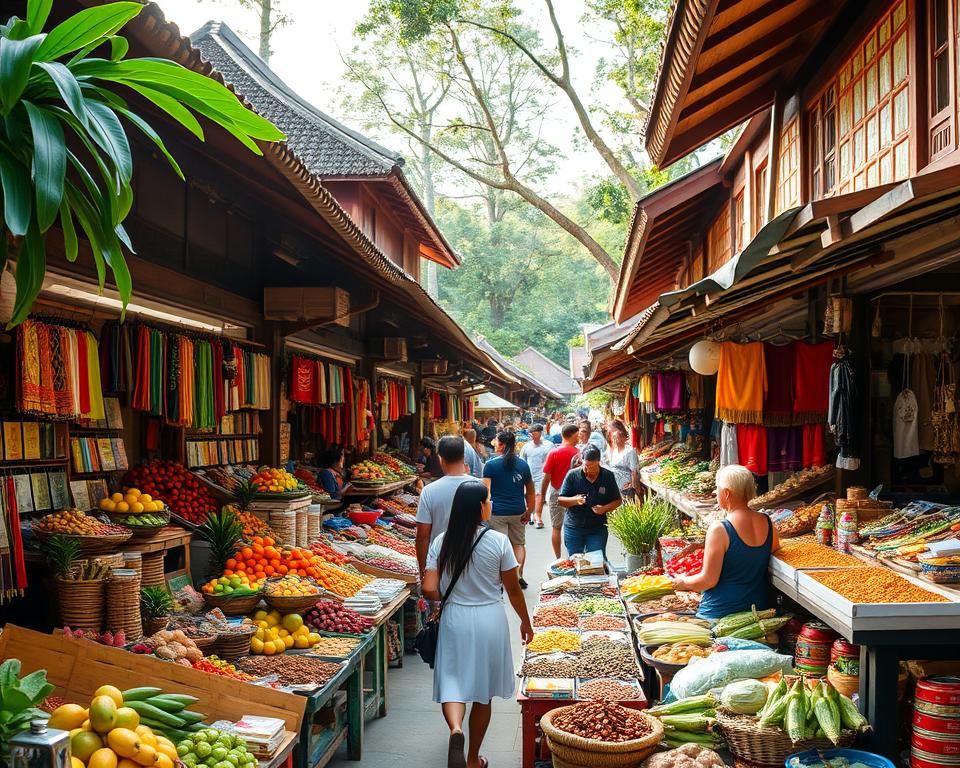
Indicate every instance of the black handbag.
{"type": "Point", "coordinates": [429, 636]}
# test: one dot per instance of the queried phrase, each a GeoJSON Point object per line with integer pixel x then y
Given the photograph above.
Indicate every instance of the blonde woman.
{"type": "Point", "coordinates": [736, 551]}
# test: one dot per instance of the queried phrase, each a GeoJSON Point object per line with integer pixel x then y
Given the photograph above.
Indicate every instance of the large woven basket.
{"type": "Point", "coordinates": [90, 545]}
{"type": "Point", "coordinates": [81, 603]}
{"type": "Point", "coordinates": [758, 746]}
{"type": "Point", "coordinates": [233, 606]}
{"type": "Point", "coordinates": [231, 646]}
{"type": "Point", "coordinates": [571, 751]}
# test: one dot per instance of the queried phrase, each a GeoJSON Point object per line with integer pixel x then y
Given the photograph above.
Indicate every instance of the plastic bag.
{"type": "Point", "coordinates": [740, 644]}
{"type": "Point", "coordinates": [718, 669]}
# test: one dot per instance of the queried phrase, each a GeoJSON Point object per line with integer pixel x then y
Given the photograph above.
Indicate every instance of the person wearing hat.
{"type": "Point", "coordinates": [535, 454]}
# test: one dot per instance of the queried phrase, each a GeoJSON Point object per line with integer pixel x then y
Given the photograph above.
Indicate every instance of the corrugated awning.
{"type": "Point", "coordinates": [488, 401]}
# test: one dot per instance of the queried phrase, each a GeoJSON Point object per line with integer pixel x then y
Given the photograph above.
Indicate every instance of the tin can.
{"type": "Point", "coordinates": [813, 647]}
{"type": "Point", "coordinates": [945, 727]}
{"type": "Point", "coordinates": [934, 746]}
{"type": "Point", "coordinates": [943, 690]}
{"type": "Point", "coordinates": [40, 747]}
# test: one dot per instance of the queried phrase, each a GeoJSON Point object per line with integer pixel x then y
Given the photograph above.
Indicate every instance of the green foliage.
{"type": "Point", "coordinates": [19, 699]}
{"type": "Point", "coordinates": [417, 18]}
{"type": "Point", "coordinates": [64, 153]}
{"type": "Point", "coordinates": [638, 526]}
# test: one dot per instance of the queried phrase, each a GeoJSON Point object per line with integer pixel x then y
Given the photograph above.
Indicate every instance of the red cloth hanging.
{"type": "Point", "coordinates": [812, 379]}
{"type": "Point", "coordinates": [83, 373]}
{"type": "Point", "coordinates": [141, 383]}
{"type": "Point", "coordinates": [219, 404]}
{"type": "Point", "coordinates": [16, 543]}
{"type": "Point", "coordinates": [813, 451]}
{"type": "Point", "coordinates": [302, 374]}
{"type": "Point", "coordinates": [752, 447]}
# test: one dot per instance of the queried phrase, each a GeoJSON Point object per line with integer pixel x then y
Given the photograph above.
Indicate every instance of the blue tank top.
{"type": "Point", "coordinates": [743, 577]}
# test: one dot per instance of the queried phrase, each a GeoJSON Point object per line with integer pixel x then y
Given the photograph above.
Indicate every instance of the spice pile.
{"type": "Point", "coordinates": [608, 690]}
{"type": "Point", "coordinates": [800, 553]}
{"type": "Point", "coordinates": [290, 670]}
{"type": "Point", "coordinates": [563, 615]}
{"type": "Point", "coordinates": [874, 585]}
{"type": "Point", "coordinates": [554, 640]}
{"type": "Point", "coordinates": [550, 666]}
{"type": "Point", "coordinates": [338, 647]}
{"type": "Point", "coordinates": [608, 659]}
{"type": "Point", "coordinates": [681, 602]}
{"type": "Point", "coordinates": [600, 621]}
{"type": "Point", "coordinates": [604, 722]}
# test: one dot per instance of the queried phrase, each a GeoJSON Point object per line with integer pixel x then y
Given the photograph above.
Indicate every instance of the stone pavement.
{"type": "Point", "coordinates": [414, 732]}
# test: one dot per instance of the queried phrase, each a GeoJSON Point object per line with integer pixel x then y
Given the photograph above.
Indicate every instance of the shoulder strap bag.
{"type": "Point", "coordinates": [429, 636]}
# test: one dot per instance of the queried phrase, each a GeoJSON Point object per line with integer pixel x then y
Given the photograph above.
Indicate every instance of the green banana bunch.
{"type": "Point", "coordinates": [164, 713]}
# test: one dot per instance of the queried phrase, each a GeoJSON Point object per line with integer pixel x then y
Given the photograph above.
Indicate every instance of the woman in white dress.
{"type": "Point", "coordinates": [623, 460]}
{"type": "Point", "coordinates": [474, 662]}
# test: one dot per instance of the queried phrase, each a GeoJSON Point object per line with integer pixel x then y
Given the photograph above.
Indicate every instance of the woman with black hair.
{"type": "Point", "coordinates": [511, 490]}
{"type": "Point", "coordinates": [474, 661]}
{"type": "Point", "coordinates": [330, 476]}
{"type": "Point", "coordinates": [429, 462]}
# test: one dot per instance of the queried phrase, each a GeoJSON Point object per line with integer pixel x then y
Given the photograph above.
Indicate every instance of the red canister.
{"type": "Point", "coordinates": [935, 726]}
{"type": "Point", "coordinates": [945, 747]}
{"type": "Point", "coordinates": [921, 759]}
{"type": "Point", "coordinates": [942, 690]}
{"type": "Point", "coordinates": [813, 648]}
{"type": "Point", "coordinates": [841, 648]}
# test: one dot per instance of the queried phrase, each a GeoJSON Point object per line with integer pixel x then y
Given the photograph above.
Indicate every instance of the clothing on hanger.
{"type": "Point", "coordinates": [741, 383]}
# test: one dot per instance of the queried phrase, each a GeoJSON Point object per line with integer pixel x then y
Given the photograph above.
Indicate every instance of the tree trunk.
{"type": "Point", "coordinates": [266, 28]}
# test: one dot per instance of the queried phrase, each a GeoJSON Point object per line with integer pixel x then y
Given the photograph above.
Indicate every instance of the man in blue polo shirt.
{"type": "Point", "coordinates": [588, 493]}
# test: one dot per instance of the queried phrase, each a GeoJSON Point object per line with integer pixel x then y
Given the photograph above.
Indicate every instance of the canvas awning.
{"type": "Point", "coordinates": [487, 401]}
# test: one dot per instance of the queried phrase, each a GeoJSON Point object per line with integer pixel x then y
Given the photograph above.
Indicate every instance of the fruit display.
{"type": "Point", "coordinates": [131, 502]}
{"type": "Point", "coordinates": [174, 646]}
{"type": "Point", "coordinates": [276, 634]}
{"type": "Point", "coordinates": [183, 492]}
{"type": "Point", "coordinates": [73, 522]}
{"type": "Point", "coordinates": [236, 584]}
{"type": "Point", "coordinates": [389, 564]}
{"type": "Point", "coordinates": [20, 698]}
{"type": "Point", "coordinates": [328, 553]}
{"type": "Point", "coordinates": [116, 639]}
{"type": "Point", "coordinates": [384, 538]}
{"type": "Point", "coordinates": [370, 472]}
{"type": "Point", "coordinates": [213, 749]}
{"type": "Point", "coordinates": [274, 481]}
{"type": "Point", "coordinates": [216, 666]}
{"type": "Point", "coordinates": [686, 565]}
{"type": "Point", "coordinates": [394, 464]}
{"type": "Point", "coordinates": [329, 616]}
{"type": "Point", "coordinates": [252, 525]}
{"type": "Point", "coordinates": [290, 586]}
{"type": "Point", "coordinates": [138, 726]}
{"type": "Point", "coordinates": [230, 477]}
{"type": "Point", "coordinates": [394, 507]}
{"type": "Point", "coordinates": [640, 589]}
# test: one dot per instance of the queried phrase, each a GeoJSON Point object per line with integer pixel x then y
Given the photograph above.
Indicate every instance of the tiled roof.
{"type": "Point", "coordinates": [325, 146]}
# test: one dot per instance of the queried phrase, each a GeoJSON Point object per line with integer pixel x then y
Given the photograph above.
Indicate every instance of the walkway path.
{"type": "Point", "coordinates": [413, 732]}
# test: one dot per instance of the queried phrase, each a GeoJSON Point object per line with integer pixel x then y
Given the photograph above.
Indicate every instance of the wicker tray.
{"type": "Point", "coordinates": [233, 606]}
{"type": "Point", "coordinates": [292, 604]}
{"type": "Point", "coordinates": [577, 752]}
{"type": "Point", "coordinates": [90, 545]}
{"type": "Point", "coordinates": [232, 645]}
{"type": "Point", "coordinates": [767, 746]}
{"type": "Point", "coordinates": [141, 531]}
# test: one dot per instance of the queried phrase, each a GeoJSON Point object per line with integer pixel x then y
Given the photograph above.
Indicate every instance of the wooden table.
{"type": "Point", "coordinates": [531, 710]}
{"type": "Point", "coordinates": [379, 490]}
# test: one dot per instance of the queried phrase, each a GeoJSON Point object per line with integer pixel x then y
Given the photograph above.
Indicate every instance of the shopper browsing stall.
{"type": "Point", "coordinates": [588, 493]}
{"type": "Point", "coordinates": [429, 462]}
{"type": "Point", "coordinates": [736, 551]}
{"type": "Point", "coordinates": [622, 460]}
{"type": "Point", "coordinates": [474, 661]}
{"type": "Point", "coordinates": [330, 476]}
{"type": "Point", "coordinates": [512, 494]}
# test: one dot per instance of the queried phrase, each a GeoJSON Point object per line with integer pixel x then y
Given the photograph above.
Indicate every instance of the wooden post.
{"type": "Point", "coordinates": [773, 157]}
{"type": "Point", "coordinates": [270, 420]}
{"type": "Point", "coordinates": [416, 419]}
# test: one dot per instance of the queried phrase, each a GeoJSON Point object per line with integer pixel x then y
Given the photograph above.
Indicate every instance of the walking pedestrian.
{"type": "Point", "coordinates": [512, 495]}
{"type": "Point", "coordinates": [470, 437]}
{"type": "Point", "coordinates": [535, 454]}
{"type": "Point", "coordinates": [555, 470]}
{"type": "Point", "coordinates": [622, 459]}
{"type": "Point", "coordinates": [471, 458]}
{"type": "Point", "coordinates": [468, 568]}
{"type": "Point", "coordinates": [588, 493]}
{"type": "Point", "coordinates": [433, 509]}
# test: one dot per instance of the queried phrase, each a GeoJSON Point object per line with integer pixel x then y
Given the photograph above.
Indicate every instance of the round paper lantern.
{"type": "Point", "coordinates": [705, 357]}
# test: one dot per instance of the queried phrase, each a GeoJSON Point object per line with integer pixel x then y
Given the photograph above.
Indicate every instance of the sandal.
{"type": "Point", "coordinates": [455, 756]}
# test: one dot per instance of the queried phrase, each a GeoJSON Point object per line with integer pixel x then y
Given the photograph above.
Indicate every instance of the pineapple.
{"type": "Point", "coordinates": [222, 531]}
{"type": "Point", "coordinates": [245, 493]}
{"type": "Point", "coordinates": [62, 553]}
{"type": "Point", "coordinates": [155, 602]}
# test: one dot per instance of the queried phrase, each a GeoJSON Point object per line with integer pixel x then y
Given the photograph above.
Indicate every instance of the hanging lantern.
{"type": "Point", "coordinates": [705, 357]}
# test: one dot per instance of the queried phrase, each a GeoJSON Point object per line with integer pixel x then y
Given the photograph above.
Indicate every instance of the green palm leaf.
{"type": "Point", "coordinates": [89, 26]}
{"type": "Point", "coordinates": [49, 163]}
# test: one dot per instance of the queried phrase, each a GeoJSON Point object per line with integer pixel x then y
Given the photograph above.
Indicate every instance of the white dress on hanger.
{"type": "Point", "coordinates": [906, 441]}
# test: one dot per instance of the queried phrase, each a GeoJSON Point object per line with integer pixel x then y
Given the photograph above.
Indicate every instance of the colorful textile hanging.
{"type": "Point", "coordinates": [670, 389]}
{"type": "Point", "coordinates": [741, 383]}
{"type": "Point", "coordinates": [780, 363]}
{"type": "Point", "coordinates": [14, 575]}
{"type": "Point", "coordinates": [784, 449]}
{"type": "Point", "coordinates": [812, 378]}
{"type": "Point", "coordinates": [752, 447]}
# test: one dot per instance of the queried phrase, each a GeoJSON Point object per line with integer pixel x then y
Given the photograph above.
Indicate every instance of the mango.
{"type": "Point", "coordinates": [124, 742]}
{"type": "Point", "coordinates": [127, 718]}
{"type": "Point", "coordinates": [112, 691]}
{"type": "Point", "coordinates": [103, 758]}
{"type": "Point", "coordinates": [67, 717]}
{"type": "Point", "coordinates": [84, 743]}
{"type": "Point", "coordinates": [103, 714]}
{"type": "Point", "coordinates": [146, 756]}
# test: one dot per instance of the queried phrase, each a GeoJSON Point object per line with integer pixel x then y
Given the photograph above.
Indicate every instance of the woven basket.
{"type": "Point", "coordinates": [314, 525]}
{"type": "Point", "coordinates": [81, 604]}
{"type": "Point", "coordinates": [155, 624]}
{"type": "Point", "coordinates": [123, 604]}
{"type": "Point", "coordinates": [205, 643]}
{"type": "Point", "coordinates": [845, 684]}
{"type": "Point", "coordinates": [233, 606]}
{"type": "Point", "coordinates": [577, 752]}
{"type": "Point", "coordinates": [233, 645]}
{"type": "Point", "coordinates": [767, 746]}
{"type": "Point", "coordinates": [303, 526]}
{"type": "Point", "coordinates": [290, 603]}
{"type": "Point", "coordinates": [151, 574]}
{"type": "Point", "coordinates": [284, 525]}
{"type": "Point", "coordinates": [90, 545]}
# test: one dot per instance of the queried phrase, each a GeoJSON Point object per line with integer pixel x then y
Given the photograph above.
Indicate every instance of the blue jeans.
{"type": "Point", "coordinates": [585, 540]}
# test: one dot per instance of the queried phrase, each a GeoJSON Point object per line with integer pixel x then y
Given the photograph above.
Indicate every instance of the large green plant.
{"type": "Point", "coordinates": [638, 526]}
{"type": "Point", "coordinates": [19, 699]}
{"type": "Point", "coordinates": [64, 153]}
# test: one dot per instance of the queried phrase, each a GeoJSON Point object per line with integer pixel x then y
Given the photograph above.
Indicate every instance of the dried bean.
{"type": "Point", "coordinates": [544, 667]}
{"type": "Point", "coordinates": [608, 659]}
{"type": "Point", "coordinates": [608, 690]}
{"type": "Point", "coordinates": [602, 622]}
{"type": "Point", "coordinates": [556, 616]}
{"type": "Point", "coordinates": [290, 670]}
{"type": "Point", "coordinates": [603, 721]}
{"type": "Point", "coordinates": [554, 640]}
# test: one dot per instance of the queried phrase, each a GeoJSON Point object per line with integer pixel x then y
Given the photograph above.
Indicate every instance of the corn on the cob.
{"type": "Point", "coordinates": [775, 695]}
{"type": "Point", "coordinates": [689, 704]}
{"type": "Point", "coordinates": [728, 624]}
{"type": "Point", "coordinates": [828, 715]}
{"type": "Point", "coordinates": [690, 721]}
{"type": "Point", "coordinates": [849, 714]}
{"type": "Point", "coordinates": [661, 632]}
{"type": "Point", "coordinates": [795, 718]}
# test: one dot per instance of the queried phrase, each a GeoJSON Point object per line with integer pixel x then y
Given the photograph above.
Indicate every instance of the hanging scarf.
{"type": "Point", "coordinates": [780, 362]}
{"type": "Point", "coordinates": [695, 388]}
{"type": "Point", "coordinates": [19, 565]}
{"type": "Point", "coordinates": [812, 377]}
{"type": "Point", "coordinates": [93, 378]}
{"type": "Point", "coordinates": [669, 391]}
{"type": "Point", "coordinates": [302, 381]}
{"type": "Point", "coordinates": [219, 405]}
{"type": "Point", "coordinates": [741, 383]}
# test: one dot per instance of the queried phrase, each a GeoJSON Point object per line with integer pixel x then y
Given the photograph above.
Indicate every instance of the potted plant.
{"type": "Point", "coordinates": [639, 526]}
{"type": "Point", "coordinates": [156, 604]}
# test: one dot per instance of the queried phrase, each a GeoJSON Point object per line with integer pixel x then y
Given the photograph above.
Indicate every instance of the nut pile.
{"type": "Point", "coordinates": [562, 615]}
{"type": "Point", "coordinates": [543, 666]}
{"type": "Point", "coordinates": [801, 553]}
{"type": "Point", "coordinates": [608, 690]}
{"type": "Point", "coordinates": [335, 646]}
{"type": "Point", "coordinates": [608, 660]}
{"type": "Point", "coordinates": [607, 605]}
{"type": "Point", "coordinates": [874, 585]}
{"type": "Point", "coordinates": [602, 621]}
{"type": "Point", "coordinates": [603, 643]}
{"type": "Point", "coordinates": [603, 721]}
{"type": "Point", "coordinates": [554, 640]}
{"type": "Point", "coordinates": [680, 653]}
{"type": "Point", "coordinates": [681, 601]}
{"type": "Point", "coordinates": [290, 670]}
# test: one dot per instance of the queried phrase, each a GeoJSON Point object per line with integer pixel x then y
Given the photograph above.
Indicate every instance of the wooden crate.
{"type": "Point", "coordinates": [79, 667]}
{"type": "Point", "coordinates": [433, 367]}
{"type": "Point", "coordinates": [306, 303]}
{"type": "Point", "coordinates": [394, 348]}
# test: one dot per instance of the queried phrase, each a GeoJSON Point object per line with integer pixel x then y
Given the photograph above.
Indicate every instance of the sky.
{"type": "Point", "coordinates": [307, 56]}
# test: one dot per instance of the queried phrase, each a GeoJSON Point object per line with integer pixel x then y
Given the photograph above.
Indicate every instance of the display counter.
{"type": "Point", "coordinates": [689, 507]}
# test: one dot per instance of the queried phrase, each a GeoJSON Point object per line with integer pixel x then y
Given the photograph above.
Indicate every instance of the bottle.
{"type": "Point", "coordinates": [824, 530]}
{"type": "Point", "coordinates": [40, 747]}
{"type": "Point", "coordinates": [847, 531]}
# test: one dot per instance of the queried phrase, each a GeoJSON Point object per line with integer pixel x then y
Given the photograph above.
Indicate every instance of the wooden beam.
{"type": "Point", "coordinates": [833, 233]}
{"type": "Point", "coordinates": [699, 131]}
{"type": "Point", "coordinates": [773, 157]}
{"type": "Point", "coordinates": [772, 14]}
{"type": "Point", "coordinates": [758, 73]}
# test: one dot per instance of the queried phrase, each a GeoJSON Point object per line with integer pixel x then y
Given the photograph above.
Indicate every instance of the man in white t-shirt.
{"type": "Point", "coordinates": [433, 510]}
{"type": "Point", "coordinates": [535, 454]}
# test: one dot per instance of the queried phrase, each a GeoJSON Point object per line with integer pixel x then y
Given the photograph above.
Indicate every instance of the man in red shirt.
{"type": "Point", "coordinates": [555, 469]}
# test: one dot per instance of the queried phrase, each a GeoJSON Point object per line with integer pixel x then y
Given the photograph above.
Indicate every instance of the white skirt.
{"type": "Point", "coordinates": [474, 661]}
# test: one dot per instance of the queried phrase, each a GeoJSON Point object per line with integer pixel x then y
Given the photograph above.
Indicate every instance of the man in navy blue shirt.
{"type": "Point", "coordinates": [588, 493]}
